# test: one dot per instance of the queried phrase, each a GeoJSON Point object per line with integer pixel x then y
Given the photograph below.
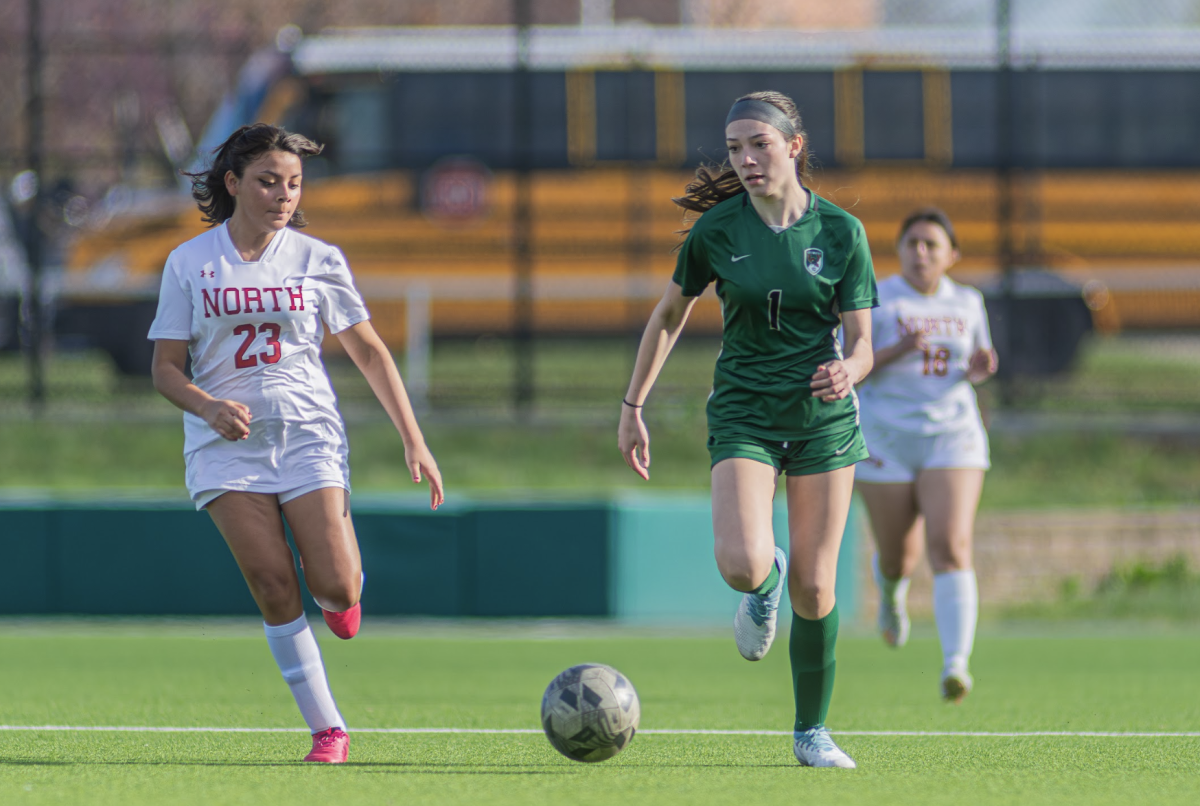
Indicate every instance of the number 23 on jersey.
{"type": "Point", "coordinates": [243, 360]}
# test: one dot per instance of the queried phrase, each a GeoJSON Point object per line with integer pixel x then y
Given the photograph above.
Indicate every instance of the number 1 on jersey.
{"type": "Point", "coordinates": [774, 301]}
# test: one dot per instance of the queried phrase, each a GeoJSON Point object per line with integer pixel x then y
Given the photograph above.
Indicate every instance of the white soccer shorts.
{"type": "Point", "coordinates": [897, 457]}
{"type": "Point", "coordinates": [277, 457]}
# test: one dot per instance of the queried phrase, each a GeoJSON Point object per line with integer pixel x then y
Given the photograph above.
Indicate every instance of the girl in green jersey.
{"type": "Point", "coordinates": [789, 267]}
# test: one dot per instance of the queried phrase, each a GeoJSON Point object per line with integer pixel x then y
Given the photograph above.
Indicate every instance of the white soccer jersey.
{"type": "Point", "coordinates": [255, 328]}
{"type": "Point", "coordinates": [925, 392]}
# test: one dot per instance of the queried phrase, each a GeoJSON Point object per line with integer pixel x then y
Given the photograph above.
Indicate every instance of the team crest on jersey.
{"type": "Point", "coordinates": [814, 261]}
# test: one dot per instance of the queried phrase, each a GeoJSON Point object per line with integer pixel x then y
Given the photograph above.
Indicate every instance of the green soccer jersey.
{"type": "Point", "coordinates": [780, 294]}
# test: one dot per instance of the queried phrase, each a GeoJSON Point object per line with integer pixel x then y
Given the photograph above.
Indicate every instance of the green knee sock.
{"type": "Point", "coordinates": [813, 665]}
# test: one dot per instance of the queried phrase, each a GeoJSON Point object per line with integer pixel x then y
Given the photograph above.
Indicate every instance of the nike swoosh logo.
{"type": "Point", "coordinates": [844, 448]}
{"type": "Point", "coordinates": [735, 259]}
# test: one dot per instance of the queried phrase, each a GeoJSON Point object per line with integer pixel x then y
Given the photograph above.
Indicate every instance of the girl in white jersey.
{"type": "Point", "coordinates": [263, 441]}
{"type": "Point", "coordinates": [928, 447]}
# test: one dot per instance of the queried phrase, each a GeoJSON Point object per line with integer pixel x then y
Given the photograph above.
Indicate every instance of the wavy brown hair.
{"type": "Point", "coordinates": [243, 147]}
{"type": "Point", "coordinates": [713, 184]}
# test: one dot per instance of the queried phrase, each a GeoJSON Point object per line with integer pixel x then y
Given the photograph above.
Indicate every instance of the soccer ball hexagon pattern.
{"type": "Point", "coordinates": [590, 712]}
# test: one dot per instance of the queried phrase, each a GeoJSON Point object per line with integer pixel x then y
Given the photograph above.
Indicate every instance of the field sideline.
{"type": "Point", "coordinates": [447, 714]}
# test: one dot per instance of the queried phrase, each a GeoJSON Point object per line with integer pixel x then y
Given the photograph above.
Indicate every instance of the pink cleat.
{"type": "Point", "coordinates": [330, 746]}
{"type": "Point", "coordinates": [345, 624]}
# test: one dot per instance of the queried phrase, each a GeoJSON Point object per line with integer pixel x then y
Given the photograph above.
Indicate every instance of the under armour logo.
{"type": "Point", "coordinates": [204, 273]}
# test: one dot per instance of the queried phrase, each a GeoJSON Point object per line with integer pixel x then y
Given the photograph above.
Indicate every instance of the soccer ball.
{"type": "Point", "coordinates": [590, 712]}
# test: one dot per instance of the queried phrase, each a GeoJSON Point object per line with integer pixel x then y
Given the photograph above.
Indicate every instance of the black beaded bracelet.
{"type": "Point", "coordinates": [630, 405]}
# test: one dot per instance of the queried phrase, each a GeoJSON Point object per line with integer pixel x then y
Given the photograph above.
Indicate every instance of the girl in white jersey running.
{"type": "Point", "coordinates": [928, 447]}
{"type": "Point", "coordinates": [263, 440]}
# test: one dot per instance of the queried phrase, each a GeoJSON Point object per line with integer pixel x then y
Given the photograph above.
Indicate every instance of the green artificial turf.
{"type": "Point", "coordinates": [207, 674]}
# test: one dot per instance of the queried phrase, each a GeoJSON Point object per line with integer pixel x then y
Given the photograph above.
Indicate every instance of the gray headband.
{"type": "Point", "coordinates": [763, 112]}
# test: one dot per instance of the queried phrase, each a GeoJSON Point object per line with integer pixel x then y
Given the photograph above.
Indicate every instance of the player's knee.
{"type": "Point", "coordinates": [950, 563]}
{"type": "Point", "coordinates": [337, 596]}
{"type": "Point", "coordinates": [892, 567]}
{"type": "Point", "coordinates": [273, 591]}
{"type": "Point", "coordinates": [810, 599]}
{"type": "Point", "coordinates": [342, 602]}
{"type": "Point", "coordinates": [744, 575]}
{"type": "Point", "coordinates": [738, 579]}
{"type": "Point", "coordinates": [947, 558]}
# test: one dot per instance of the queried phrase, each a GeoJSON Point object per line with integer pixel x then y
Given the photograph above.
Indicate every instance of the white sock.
{"type": "Point", "coordinates": [956, 608]}
{"type": "Point", "coordinates": [891, 591]}
{"type": "Point", "coordinates": [295, 649]}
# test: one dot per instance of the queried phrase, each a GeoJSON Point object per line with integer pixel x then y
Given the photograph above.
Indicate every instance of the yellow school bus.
{"type": "Point", "coordinates": [468, 169]}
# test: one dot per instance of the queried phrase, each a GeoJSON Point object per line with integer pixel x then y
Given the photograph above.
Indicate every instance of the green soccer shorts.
{"type": "Point", "coordinates": [795, 457]}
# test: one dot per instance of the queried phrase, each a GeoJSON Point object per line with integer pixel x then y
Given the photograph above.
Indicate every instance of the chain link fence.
{"type": "Point", "coordinates": [503, 192]}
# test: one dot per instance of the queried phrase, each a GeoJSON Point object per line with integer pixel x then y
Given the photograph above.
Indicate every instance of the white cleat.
{"type": "Point", "coordinates": [956, 684]}
{"type": "Point", "coordinates": [757, 614]}
{"type": "Point", "coordinates": [815, 748]}
{"type": "Point", "coordinates": [894, 624]}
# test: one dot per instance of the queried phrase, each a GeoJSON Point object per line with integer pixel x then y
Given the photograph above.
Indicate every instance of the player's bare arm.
{"type": "Point", "coordinates": [375, 362]}
{"type": "Point", "coordinates": [983, 364]}
{"type": "Point", "coordinates": [834, 379]}
{"type": "Point", "coordinates": [228, 418]}
{"type": "Point", "coordinates": [662, 331]}
{"type": "Point", "coordinates": [915, 340]}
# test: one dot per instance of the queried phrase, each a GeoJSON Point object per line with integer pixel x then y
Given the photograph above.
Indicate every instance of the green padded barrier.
{"type": "Point", "coordinates": [549, 560]}
{"type": "Point", "coordinates": [664, 568]}
{"type": "Point", "coordinates": [414, 560]}
{"type": "Point", "coordinates": [637, 558]}
{"type": "Point", "coordinates": [109, 561]}
{"type": "Point", "coordinates": [27, 583]}
{"type": "Point", "coordinates": [144, 562]}
{"type": "Point", "coordinates": [485, 559]}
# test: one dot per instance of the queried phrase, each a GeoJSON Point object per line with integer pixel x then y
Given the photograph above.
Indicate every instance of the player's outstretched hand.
{"type": "Point", "coordinates": [228, 418]}
{"type": "Point", "coordinates": [420, 461]}
{"type": "Point", "coordinates": [983, 365]}
{"type": "Point", "coordinates": [633, 440]}
{"type": "Point", "coordinates": [912, 341]}
{"type": "Point", "coordinates": [831, 382]}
